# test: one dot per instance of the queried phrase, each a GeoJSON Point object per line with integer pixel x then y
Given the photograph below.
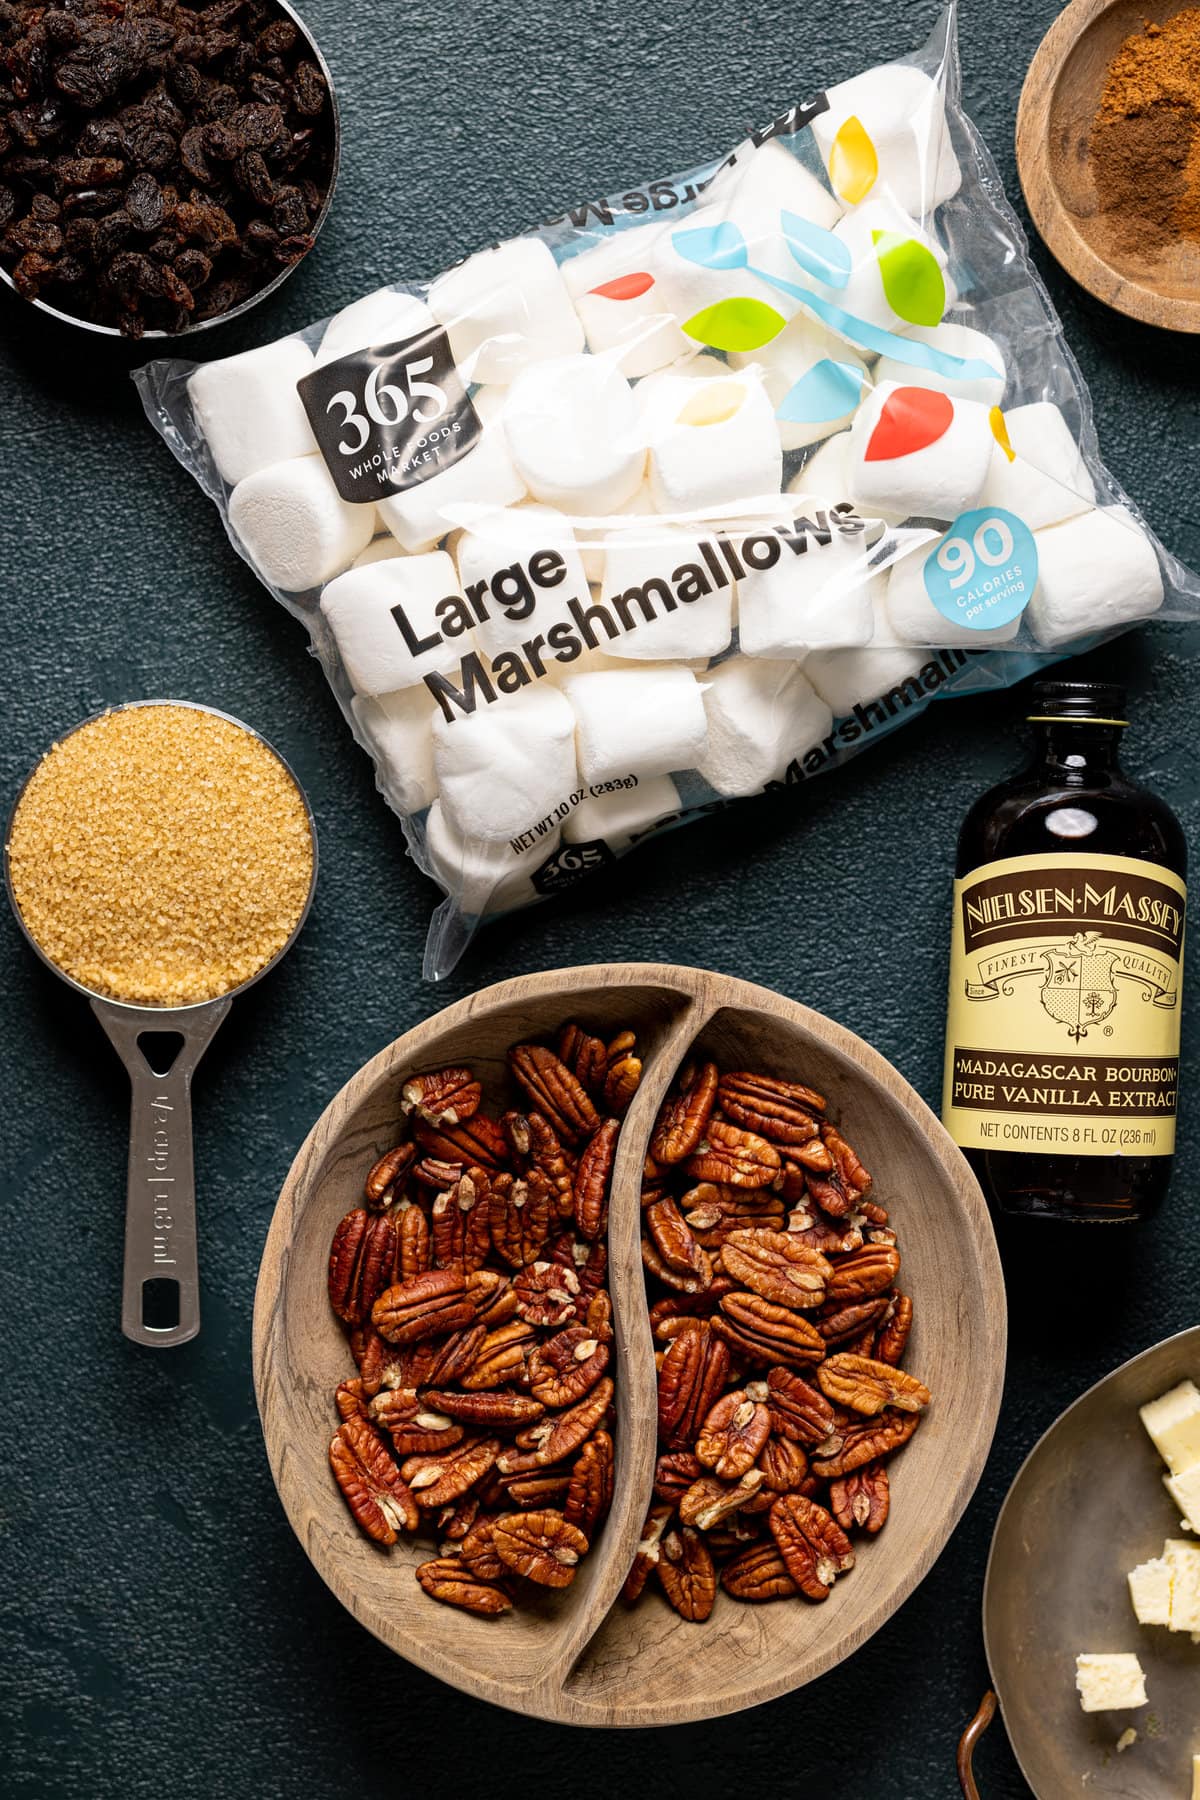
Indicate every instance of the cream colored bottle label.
{"type": "Point", "coordinates": [1063, 1028]}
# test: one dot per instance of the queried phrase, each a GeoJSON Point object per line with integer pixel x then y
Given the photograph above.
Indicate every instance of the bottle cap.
{"type": "Point", "coordinates": [1091, 702]}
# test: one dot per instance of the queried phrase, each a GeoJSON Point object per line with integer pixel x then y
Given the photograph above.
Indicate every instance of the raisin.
{"type": "Point", "coordinates": [308, 90]}
{"type": "Point", "coordinates": [279, 39]}
{"type": "Point", "coordinates": [144, 202]}
{"type": "Point", "coordinates": [8, 204]}
{"type": "Point", "coordinates": [30, 274]}
{"type": "Point", "coordinates": [291, 249]}
{"type": "Point", "coordinates": [289, 212]}
{"type": "Point", "coordinates": [88, 171]}
{"type": "Point", "coordinates": [45, 207]}
{"type": "Point", "coordinates": [193, 267]}
{"type": "Point", "coordinates": [255, 177]}
{"type": "Point", "coordinates": [31, 234]}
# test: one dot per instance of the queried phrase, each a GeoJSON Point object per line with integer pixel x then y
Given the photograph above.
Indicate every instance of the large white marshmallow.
{"type": "Point", "coordinates": [814, 381]}
{"type": "Point", "coordinates": [478, 482]}
{"type": "Point", "coordinates": [849, 678]}
{"type": "Point", "coordinates": [248, 408]}
{"type": "Point", "coordinates": [1095, 571]}
{"type": "Point", "coordinates": [377, 320]}
{"type": "Point", "coordinates": [371, 609]}
{"type": "Point", "coordinates": [812, 599]}
{"type": "Point", "coordinates": [770, 181]}
{"type": "Point", "coordinates": [882, 225]}
{"type": "Point", "coordinates": [640, 722]}
{"type": "Point", "coordinates": [295, 527]}
{"type": "Point", "coordinates": [592, 535]}
{"type": "Point", "coordinates": [828, 476]}
{"type": "Point", "coordinates": [762, 716]}
{"type": "Point", "coordinates": [955, 340]}
{"type": "Point", "coordinates": [622, 815]}
{"type": "Point", "coordinates": [656, 576]}
{"type": "Point", "coordinates": [505, 768]}
{"type": "Point", "coordinates": [505, 309]}
{"type": "Point", "coordinates": [571, 426]}
{"type": "Point", "coordinates": [914, 618]}
{"type": "Point", "coordinates": [483, 877]}
{"type": "Point", "coordinates": [712, 443]}
{"type": "Point", "coordinates": [939, 480]}
{"type": "Point", "coordinates": [521, 568]}
{"type": "Point", "coordinates": [1046, 480]}
{"type": "Point", "coordinates": [622, 307]}
{"type": "Point", "coordinates": [695, 268]}
{"type": "Point", "coordinates": [902, 113]}
{"type": "Point", "coordinates": [398, 731]}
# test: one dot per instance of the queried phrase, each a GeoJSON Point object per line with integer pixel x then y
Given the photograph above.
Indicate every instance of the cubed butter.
{"type": "Point", "coordinates": [1173, 1421]}
{"type": "Point", "coordinates": [1185, 1492]}
{"type": "Point", "coordinates": [1109, 1683]}
{"type": "Point", "coordinates": [1183, 1559]}
{"type": "Point", "coordinates": [1150, 1591]}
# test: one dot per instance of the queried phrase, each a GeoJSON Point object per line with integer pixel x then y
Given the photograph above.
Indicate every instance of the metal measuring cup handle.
{"type": "Point", "coordinates": [160, 1203]}
{"type": "Point", "coordinates": [968, 1741]}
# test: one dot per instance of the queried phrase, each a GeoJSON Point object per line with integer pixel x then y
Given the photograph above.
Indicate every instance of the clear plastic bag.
{"type": "Point", "coordinates": [686, 494]}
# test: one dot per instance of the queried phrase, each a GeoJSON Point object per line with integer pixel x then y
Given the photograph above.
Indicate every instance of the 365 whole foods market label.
{"type": "Point", "coordinates": [1063, 1027]}
{"type": "Point", "coordinates": [391, 416]}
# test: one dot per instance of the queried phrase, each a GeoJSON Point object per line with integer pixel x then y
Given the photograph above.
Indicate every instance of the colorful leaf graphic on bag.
{"type": "Point", "coordinates": [853, 162]}
{"type": "Point", "coordinates": [711, 246]}
{"type": "Point", "coordinates": [818, 252]}
{"type": "Point", "coordinates": [828, 391]}
{"type": "Point", "coordinates": [742, 324]}
{"type": "Point", "coordinates": [625, 287]}
{"type": "Point", "coordinates": [1000, 432]}
{"type": "Point", "coordinates": [912, 280]}
{"type": "Point", "coordinates": [911, 420]}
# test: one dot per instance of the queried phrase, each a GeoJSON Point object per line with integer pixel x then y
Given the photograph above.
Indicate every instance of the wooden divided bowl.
{"type": "Point", "coordinates": [580, 1656]}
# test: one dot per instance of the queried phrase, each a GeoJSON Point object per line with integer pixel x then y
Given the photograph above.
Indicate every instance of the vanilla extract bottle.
{"type": "Point", "coordinates": [1062, 1042]}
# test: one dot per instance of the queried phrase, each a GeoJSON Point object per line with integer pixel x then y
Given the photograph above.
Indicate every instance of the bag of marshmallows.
{"type": "Point", "coordinates": [686, 494]}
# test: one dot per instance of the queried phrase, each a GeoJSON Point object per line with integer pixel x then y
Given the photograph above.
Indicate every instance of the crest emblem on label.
{"type": "Point", "coordinates": [1079, 989]}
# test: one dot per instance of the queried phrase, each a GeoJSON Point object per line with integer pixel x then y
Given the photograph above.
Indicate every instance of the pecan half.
{"type": "Point", "coordinates": [844, 1321]}
{"type": "Point", "coordinates": [585, 1056]}
{"type": "Point", "coordinates": [713, 1211]}
{"type": "Point", "coordinates": [783, 1464]}
{"type": "Point", "coordinates": [551, 1440]}
{"type": "Point", "coordinates": [480, 1554]}
{"type": "Point", "coordinates": [590, 1491]}
{"type": "Point", "coordinates": [812, 1544]}
{"type": "Point", "coordinates": [674, 1474]}
{"type": "Point", "coordinates": [536, 1142]}
{"type": "Point", "coordinates": [676, 1245]}
{"type": "Point", "coordinates": [695, 1282]}
{"type": "Point", "coordinates": [567, 1367]}
{"type": "Point", "coordinates": [592, 1179]}
{"type": "Point", "coordinates": [734, 1157]}
{"type": "Point", "coordinates": [684, 1115]}
{"type": "Point", "coordinates": [479, 1142]}
{"type": "Point", "coordinates": [447, 1097]}
{"type": "Point", "coordinates": [798, 1410]}
{"type": "Point", "coordinates": [427, 1306]}
{"type": "Point", "coordinates": [371, 1484]}
{"type": "Point", "coordinates": [777, 1266]}
{"type": "Point", "coordinates": [493, 1408]}
{"type": "Point", "coordinates": [442, 1477]}
{"type": "Point", "coordinates": [758, 1573]}
{"type": "Point", "coordinates": [414, 1252]}
{"type": "Point", "coordinates": [387, 1175]}
{"type": "Point", "coordinates": [865, 1273]}
{"type": "Point", "coordinates": [598, 1317]}
{"type": "Point", "coordinates": [733, 1433]}
{"type": "Point", "coordinates": [440, 1365]}
{"type": "Point", "coordinates": [412, 1423]}
{"type": "Point", "coordinates": [892, 1340]}
{"type": "Point", "coordinates": [861, 1498]}
{"type": "Point", "coordinates": [547, 1294]}
{"type": "Point", "coordinates": [709, 1501]}
{"type": "Point", "coordinates": [624, 1075]}
{"type": "Point", "coordinates": [555, 1091]}
{"type": "Point", "coordinates": [350, 1399]}
{"type": "Point", "coordinates": [460, 1223]}
{"type": "Point", "coordinates": [542, 1488]}
{"type": "Point", "coordinates": [448, 1579]}
{"type": "Point", "coordinates": [764, 1333]}
{"type": "Point", "coordinates": [362, 1262]}
{"type": "Point", "coordinates": [540, 1545]}
{"type": "Point", "coordinates": [694, 1371]}
{"type": "Point", "coordinates": [782, 1111]}
{"type": "Point", "coordinates": [868, 1386]}
{"type": "Point", "coordinates": [687, 1573]}
{"type": "Point", "coordinates": [832, 1237]}
{"type": "Point", "coordinates": [868, 1442]}
{"type": "Point", "coordinates": [501, 1357]}
{"type": "Point", "coordinates": [850, 1170]}
{"type": "Point", "coordinates": [432, 1172]}
{"type": "Point", "coordinates": [649, 1549]}
{"type": "Point", "coordinates": [457, 1517]}
{"type": "Point", "coordinates": [589, 1261]}
{"type": "Point", "coordinates": [519, 1213]}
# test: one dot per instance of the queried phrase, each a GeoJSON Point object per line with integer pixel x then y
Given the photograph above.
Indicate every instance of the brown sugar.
{"type": "Point", "coordinates": [161, 855]}
{"type": "Point", "coordinates": [1145, 141]}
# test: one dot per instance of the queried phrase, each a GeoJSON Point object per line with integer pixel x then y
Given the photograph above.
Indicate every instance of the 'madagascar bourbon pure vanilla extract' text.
{"type": "Point", "coordinates": [1062, 1043]}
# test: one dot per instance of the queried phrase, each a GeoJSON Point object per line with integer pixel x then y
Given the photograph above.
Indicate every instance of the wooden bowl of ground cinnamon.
{"type": "Point", "coordinates": [1108, 147]}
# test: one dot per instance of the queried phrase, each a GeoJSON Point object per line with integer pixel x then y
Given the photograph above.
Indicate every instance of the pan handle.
{"type": "Point", "coordinates": [968, 1741]}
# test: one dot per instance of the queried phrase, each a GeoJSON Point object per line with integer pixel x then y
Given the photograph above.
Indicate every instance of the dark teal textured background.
{"type": "Point", "coordinates": [163, 1632]}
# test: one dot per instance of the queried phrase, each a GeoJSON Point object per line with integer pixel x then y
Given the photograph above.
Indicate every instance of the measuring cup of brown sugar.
{"type": "Point", "coordinates": [161, 858]}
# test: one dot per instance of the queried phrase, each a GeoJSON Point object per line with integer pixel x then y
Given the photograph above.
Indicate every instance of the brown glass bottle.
{"type": "Point", "coordinates": [1063, 1033]}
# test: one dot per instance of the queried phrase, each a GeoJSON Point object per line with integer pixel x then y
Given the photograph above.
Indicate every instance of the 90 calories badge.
{"type": "Point", "coordinates": [389, 417]}
{"type": "Point", "coordinates": [983, 573]}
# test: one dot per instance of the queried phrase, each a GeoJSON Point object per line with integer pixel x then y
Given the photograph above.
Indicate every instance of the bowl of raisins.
{"type": "Point", "coordinates": [164, 165]}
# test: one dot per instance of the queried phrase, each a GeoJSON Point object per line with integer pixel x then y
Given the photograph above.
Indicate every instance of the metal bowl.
{"type": "Point", "coordinates": [244, 306]}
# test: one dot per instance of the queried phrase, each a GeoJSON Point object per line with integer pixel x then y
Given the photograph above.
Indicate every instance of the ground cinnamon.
{"type": "Point", "coordinates": [1145, 141]}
